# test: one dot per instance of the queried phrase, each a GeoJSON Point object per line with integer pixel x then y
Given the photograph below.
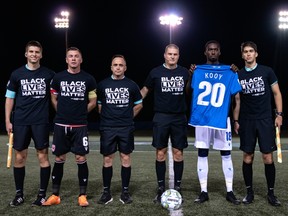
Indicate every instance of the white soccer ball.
{"type": "Point", "coordinates": [171, 199]}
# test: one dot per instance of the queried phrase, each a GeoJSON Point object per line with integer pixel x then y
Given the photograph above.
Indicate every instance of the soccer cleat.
{"type": "Point", "coordinates": [18, 200]}
{"type": "Point", "coordinates": [230, 197]}
{"type": "Point", "coordinates": [105, 198]}
{"type": "Point", "coordinates": [52, 200]}
{"type": "Point", "coordinates": [248, 199]}
{"type": "Point", "coordinates": [125, 197]}
{"type": "Point", "coordinates": [203, 197]}
{"type": "Point", "coordinates": [39, 201]}
{"type": "Point", "coordinates": [82, 201]}
{"type": "Point", "coordinates": [160, 191]}
{"type": "Point", "coordinates": [178, 188]}
{"type": "Point", "coordinates": [272, 199]}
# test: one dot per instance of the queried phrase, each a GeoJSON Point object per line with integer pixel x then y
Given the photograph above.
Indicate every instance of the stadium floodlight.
{"type": "Point", "coordinates": [63, 22]}
{"type": "Point", "coordinates": [171, 20]}
{"type": "Point", "coordinates": [283, 20]}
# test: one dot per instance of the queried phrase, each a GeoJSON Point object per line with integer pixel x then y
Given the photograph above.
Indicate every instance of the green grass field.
{"type": "Point", "coordinates": [143, 185]}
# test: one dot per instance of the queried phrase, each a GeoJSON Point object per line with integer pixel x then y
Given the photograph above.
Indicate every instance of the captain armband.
{"type": "Point", "coordinates": [92, 94]}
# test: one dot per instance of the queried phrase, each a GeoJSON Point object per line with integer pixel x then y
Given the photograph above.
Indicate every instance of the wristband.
{"type": "Point", "coordinates": [279, 114]}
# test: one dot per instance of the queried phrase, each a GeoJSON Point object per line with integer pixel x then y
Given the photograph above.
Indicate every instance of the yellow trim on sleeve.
{"type": "Point", "coordinates": [92, 94]}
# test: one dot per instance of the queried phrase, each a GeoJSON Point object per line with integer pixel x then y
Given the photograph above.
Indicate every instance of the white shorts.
{"type": "Point", "coordinates": [220, 139]}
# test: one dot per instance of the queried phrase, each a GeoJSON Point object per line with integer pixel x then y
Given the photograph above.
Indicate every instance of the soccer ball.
{"type": "Point", "coordinates": [171, 199]}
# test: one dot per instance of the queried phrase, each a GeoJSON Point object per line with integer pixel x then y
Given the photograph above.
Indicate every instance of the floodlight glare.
{"type": "Point", "coordinates": [171, 20]}
{"type": "Point", "coordinates": [283, 20]}
{"type": "Point", "coordinates": [63, 22]}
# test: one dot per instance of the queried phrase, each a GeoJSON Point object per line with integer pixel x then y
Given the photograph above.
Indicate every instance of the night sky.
{"type": "Point", "coordinates": [104, 28]}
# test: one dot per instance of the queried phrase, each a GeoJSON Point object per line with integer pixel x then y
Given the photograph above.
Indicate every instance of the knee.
{"type": "Point", "coordinates": [267, 158]}
{"type": "Point", "coordinates": [248, 158]}
{"type": "Point", "coordinates": [178, 155]}
{"type": "Point", "coordinates": [80, 159]}
{"type": "Point", "coordinates": [125, 160]}
{"type": "Point", "coordinates": [161, 155]}
{"type": "Point", "coordinates": [108, 161]}
{"type": "Point", "coordinates": [43, 158]}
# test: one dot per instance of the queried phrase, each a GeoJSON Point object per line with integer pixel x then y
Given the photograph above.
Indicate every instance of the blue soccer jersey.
{"type": "Point", "coordinates": [213, 86]}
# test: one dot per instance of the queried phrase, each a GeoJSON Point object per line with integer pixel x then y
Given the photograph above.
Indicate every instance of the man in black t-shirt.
{"type": "Point", "coordinates": [27, 117]}
{"type": "Point", "coordinates": [254, 121]}
{"type": "Point", "coordinates": [119, 101]}
{"type": "Point", "coordinates": [168, 82]}
{"type": "Point", "coordinates": [73, 95]}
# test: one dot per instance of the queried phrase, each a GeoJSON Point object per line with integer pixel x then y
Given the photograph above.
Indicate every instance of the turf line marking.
{"type": "Point", "coordinates": [171, 166]}
{"type": "Point", "coordinates": [179, 211]}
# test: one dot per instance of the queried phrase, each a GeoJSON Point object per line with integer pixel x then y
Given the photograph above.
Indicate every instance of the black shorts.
{"type": "Point", "coordinates": [170, 125]}
{"type": "Point", "coordinates": [24, 133]}
{"type": "Point", "coordinates": [114, 139]}
{"type": "Point", "coordinates": [70, 139]}
{"type": "Point", "coordinates": [261, 131]}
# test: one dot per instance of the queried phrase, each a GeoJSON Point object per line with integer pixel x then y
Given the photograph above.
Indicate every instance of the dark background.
{"type": "Point", "coordinates": [104, 28]}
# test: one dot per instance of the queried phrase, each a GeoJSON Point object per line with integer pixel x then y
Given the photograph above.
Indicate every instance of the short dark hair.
{"type": "Point", "coordinates": [33, 43]}
{"type": "Point", "coordinates": [248, 43]}
{"type": "Point", "coordinates": [73, 48]}
{"type": "Point", "coordinates": [118, 56]}
{"type": "Point", "coordinates": [212, 41]}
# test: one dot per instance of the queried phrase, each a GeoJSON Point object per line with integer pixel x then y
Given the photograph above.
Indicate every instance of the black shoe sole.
{"type": "Point", "coordinates": [246, 202]}
{"type": "Point", "coordinates": [235, 202]}
{"type": "Point", "coordinates": [200, 201]}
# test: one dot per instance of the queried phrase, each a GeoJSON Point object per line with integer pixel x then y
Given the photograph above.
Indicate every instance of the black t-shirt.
{"type": "Point", "coordinates": [32, 88]}
{"type": "Point", "coordinates": [72, 99]}
{"type": "Point", "coordinates": [169, 88]}
{"type": "Point", "coordinates": [117, 97]}
{"type": "Point", "coordinates": [256, 92]}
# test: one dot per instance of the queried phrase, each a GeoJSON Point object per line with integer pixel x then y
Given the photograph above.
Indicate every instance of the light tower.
{"type": "Point", "coordinates": [283, 20]}
{"type": "Point", "coordinates": [171, 20]}
{"type": "Point", "coordinates": [63, 22]}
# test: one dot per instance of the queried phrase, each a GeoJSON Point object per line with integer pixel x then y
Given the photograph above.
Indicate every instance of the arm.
{"type": "Point", "coordinates": [92, 104]}
{"type": "Point", "coordinates": [9, 103]}
{"type": "Point", "coordinates": [144, 92]}
{"type": "Point", "coordinates": [234, 68]}
{"type": "Point", "coordinates": [92, 97]}
{"type": "Point", "coordinates": [137, 108]}
{"type": "Point", "coordinates": [236, 111]}
{"type": "Point", "coordinates": [54, 100]}
{"type": "Point", "coordinates": [99, 108]}
{"type": "Point", "coordinates": [188, 84]}
{"type": "Point", "coordinates": [278, 103]}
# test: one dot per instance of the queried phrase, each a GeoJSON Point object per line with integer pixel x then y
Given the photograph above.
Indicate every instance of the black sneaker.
{"type": "Point", "coordinates": [18, 200]}
{"type": "Point", "coordinates": [203, 197]}
{"type": "Point", "coordinates": [248, 198]}
{"type": "Point", "coordinates": [272, 199]}
{"type": "Point", "coordinates": [125, 197]}
{"type": "Point", "coordinates": [231, 198]}
{"type": "Point", "coordinates": [178, 188]}
{"type": "Point", "coordinates": [105, 198]}
{"type": "Point", "coordinates": [160, 191]}
{"type": "Point", "coordinates": [39, 201]}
